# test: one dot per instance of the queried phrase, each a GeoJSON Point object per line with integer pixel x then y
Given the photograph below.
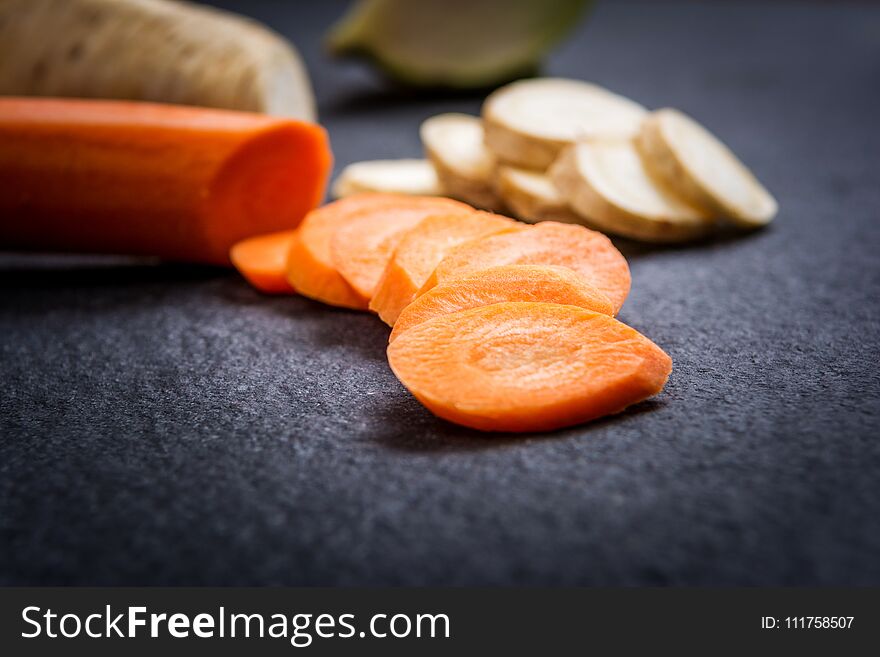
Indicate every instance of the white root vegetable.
{"type": "Point", "coordinates": [532, 196]}
{"type": "Point", "coordinates": [151, 50]}
{"type": "Point", "coordinates": [454, 144]}
{"type": "Point", "coordinates": [529, 122]}
{"type": "Point", "coordinates": [691, 160]}
{"type": "Point", "coordinates": [607, 183]}
{"type": "Point", "coordinates": [415, 177]}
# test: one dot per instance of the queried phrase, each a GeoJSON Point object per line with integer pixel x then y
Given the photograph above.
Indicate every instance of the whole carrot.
{"type": "Point", "coordinates": [177, 182]}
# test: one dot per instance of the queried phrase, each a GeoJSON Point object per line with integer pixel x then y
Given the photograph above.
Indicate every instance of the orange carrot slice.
{"type": "Point", "coordinates": [527, 366]}
{"type": "Point", "coordinates": [421, 250]}
{"type": "Point", "coordinates": [361, 248]}
{"type": "Point", "coordinates": [182, 183]}
{"type": "Point", "coordinates": [262, 260]}
{"type": "Point", "coordinates": [589, 253]}
{"type": "Point", "coordinates": [540, 283]}
{"type": "Point", "coordinates": [310, 268]}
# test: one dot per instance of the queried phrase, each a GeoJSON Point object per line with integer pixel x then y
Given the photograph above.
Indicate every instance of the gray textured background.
{"type": "Point", "coordinates": [168, 425]}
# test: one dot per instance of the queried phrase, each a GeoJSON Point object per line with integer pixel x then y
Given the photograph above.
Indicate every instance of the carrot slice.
{"type": "Point", "coordinates": [310, 268]}
{"type": "Point", "coordinates": [182, 183]}
{"type": "Point", "coordinates": [262, 260]}
{"type": "Point", "coordinates": [361, 247]}
{"type": "Point", "coordinates": [421, 250]}
{"type": "Point", "coordinates": [541, 283]}
{"type": "Point", "coordinates": [527, 366]}
{"type": "Point", "coordinates": [589, 253]}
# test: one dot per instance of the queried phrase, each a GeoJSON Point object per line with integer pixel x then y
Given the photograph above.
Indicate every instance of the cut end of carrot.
{"type": "Point", "coordinates": [508, 283]}
{"type": "Point", "coordinates": [270, 184]}
{"type": "Point", "coordinates": [262, 260]}
{"type": "Point", "coordinates": [521, 366]}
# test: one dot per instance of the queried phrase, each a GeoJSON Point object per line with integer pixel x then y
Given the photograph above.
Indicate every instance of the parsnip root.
{"type": "Point", "coordinates": [154, 50]}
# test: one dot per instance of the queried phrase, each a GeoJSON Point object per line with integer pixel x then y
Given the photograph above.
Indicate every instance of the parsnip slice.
{"type": "Point", "coordinates": [415, 177]}
{"type": "Point", "coordinates": [607, 183]}
{"type": "Point", "coordinates": [532, 196]}
{"type": "Point", "coordinates": [693, 161]}
{"type": "Point", "coordinates": [454, 144]}
{"type": "Point", "coordinates": [529, 122]}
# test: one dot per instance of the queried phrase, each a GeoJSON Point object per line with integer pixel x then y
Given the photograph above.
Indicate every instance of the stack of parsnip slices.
{"type": "Point", "coordinates": [566, 150]}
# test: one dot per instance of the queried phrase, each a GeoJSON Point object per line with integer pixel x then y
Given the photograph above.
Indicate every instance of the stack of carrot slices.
{"type": "Point", "coordinates": [497, 325]}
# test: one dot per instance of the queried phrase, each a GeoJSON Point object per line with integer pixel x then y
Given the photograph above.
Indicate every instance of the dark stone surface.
{"type": "Point", "coordinates": [168, 425]}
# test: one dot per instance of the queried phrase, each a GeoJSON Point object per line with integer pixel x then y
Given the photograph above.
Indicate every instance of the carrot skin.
{"type": "Point", "coordinates": [176, 182]}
